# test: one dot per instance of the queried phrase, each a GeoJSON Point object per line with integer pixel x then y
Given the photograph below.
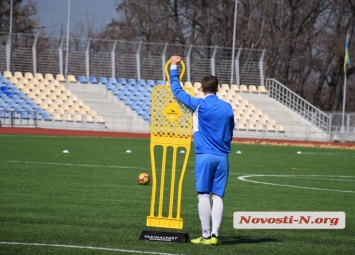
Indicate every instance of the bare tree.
{"type": "Point", "coordinates": [304, 40]}
{"type": "Point", "coordinates": [22, 15]}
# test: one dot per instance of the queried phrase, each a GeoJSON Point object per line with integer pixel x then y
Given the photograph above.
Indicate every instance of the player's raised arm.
{"type": "Point", "coordinates": [176, 88]}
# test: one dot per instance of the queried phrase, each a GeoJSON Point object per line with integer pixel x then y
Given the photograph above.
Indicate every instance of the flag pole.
{"type": "Point", "coordinates": [343, 113]}
{"type": "Point", "coordinates": [346, 62]}
{"type": "Point", "coordinates": [234, 32]}
{"type": "Point", "coordinates": [67, 55]}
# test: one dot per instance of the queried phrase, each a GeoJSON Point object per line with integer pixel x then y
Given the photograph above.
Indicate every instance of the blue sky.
{"type": "Point", "coordinates": [53, 14]}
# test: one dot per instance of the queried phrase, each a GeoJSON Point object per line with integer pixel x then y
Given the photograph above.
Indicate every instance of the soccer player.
{"type": "Point", "coordinates": [213, 124]}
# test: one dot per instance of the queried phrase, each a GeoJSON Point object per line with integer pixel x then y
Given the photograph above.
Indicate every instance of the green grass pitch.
{"type": "Point", "coordinates": [89, 202]}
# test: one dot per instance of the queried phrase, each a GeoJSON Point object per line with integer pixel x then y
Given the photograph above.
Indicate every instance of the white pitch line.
{"type": "Point", "coordinates": [244, 178]}
{"type": "Point", "coordinates": [329, 153]}
{"type": "Point", "coordinates": [319, 178]}
{"type": "Point", "coordinates": [88, 248]}
{"type": "Point", "coordinates": [68, 164]}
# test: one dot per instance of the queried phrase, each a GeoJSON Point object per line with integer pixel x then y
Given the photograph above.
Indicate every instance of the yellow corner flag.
{"type": "Point", "coordinates": [347, 57]}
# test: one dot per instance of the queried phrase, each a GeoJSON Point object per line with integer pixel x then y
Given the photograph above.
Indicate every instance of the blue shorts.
{"type": "Point", "coordinates": [211, 173]}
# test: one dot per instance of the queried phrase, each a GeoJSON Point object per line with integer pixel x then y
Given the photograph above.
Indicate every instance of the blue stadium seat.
{"type": "Point", "coordinates": [151, 83]}
{"type": "Point", "coordinates": [46, 116]}
{"type": "Point", "coordinates": [40, 111]}
{"type": "Point", "coordinates": [109, 86]}
{"type": "Point", "coordinates": [16, 99]}
{"type": "Point", "coordinates": [147, 94]}
{"type": "Point", "coordinates": [27, 100]}
{"type": "Point", "coordinates": [4, 114]}
{"type": "Point", "coordinates": [3, 79]}
{"type": "Point", "coordinates": [112, 80]}
{"type": "Point", "coordinates": [12, 104]}
{"type": "Point", "coordinates": [122, 80]}
{"type": "Point", "coordinates": [134, 106]}
{"type": "Point", "coordinates": [148, 89]}
{"type": "Point", "coordinates": [138, 89]}
{"type": "Point", "coordinates": [28, 108]}
{"type": "Point", "coordinates": [9, 85]}
{"type": "Point", "coordinates": [132, 96]}
{"type": "Point", "coordinates": [25, 115]}
{"type": "Point", "coordinates": [5, 99]}
{"type": "Point", "coordinates": [16, 90]}
{"type": "Point", "coordinates": [21, 95]}
{"type": "Point", "coordinates": [126, 91]}
{"type": "Point", "coordinates": [121, 95]}
{"type": "Point", "coordinates": [103, 80]}
{"type": "Point", "coordinates": [4, 89]}
{"type": "Point", "coordinates": [23, 105]}
{"type": "Point", "coordinates": [147, 101]}
{"type": "Point", "coordinates": [141, 82]}
{"type": "Point", "coordinates": [17, 109]}
{"type": "Point", "coordinates": [160, 82]}
{"type": "Point", "coordinates": [7, 108]}
{"type": "Point", "coordinates": [137, 101]}
{"type": "Point", "coordinates": [146, 116]}
{"type": "Point", "coordinates": [127, 100]}
{"type": "Point", "coordinates": [34, 106]}
{"type": "Point", "coordinates": [93, 80]}
{"type": "Point", "coordinates": [10, 94]}
{"type": "Point", "coordinates": [141, 97]}
{"type": "Point", "coordinates": [115, 91]}
{"type": "Point", "coordinates": [82, 79]}
{"type": "Point", "coordinates": [132, 81]}
{"type": "Point", "coordinates": [141, 111]}
{"type": "Point", "coordinates": [119, 86]}
{"type": "Point", "coordinates": [128, 87]}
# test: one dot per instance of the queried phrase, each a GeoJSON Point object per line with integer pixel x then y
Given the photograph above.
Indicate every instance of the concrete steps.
{"type": "Point", "coordinates": [117, 116]}
{"type": "Point", "coordinates": [294, 125]}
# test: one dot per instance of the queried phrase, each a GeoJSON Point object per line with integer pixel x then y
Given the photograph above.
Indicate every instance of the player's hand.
{"type": "Point", "coordinates": [175, 60]}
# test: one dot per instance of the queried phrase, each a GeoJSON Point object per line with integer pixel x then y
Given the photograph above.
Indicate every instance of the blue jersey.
{"type": "Point", "coordinates": [213, 121]}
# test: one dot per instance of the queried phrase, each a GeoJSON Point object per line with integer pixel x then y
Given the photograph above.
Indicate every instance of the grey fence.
{"type": "Point", "coordinates": [139, 60]}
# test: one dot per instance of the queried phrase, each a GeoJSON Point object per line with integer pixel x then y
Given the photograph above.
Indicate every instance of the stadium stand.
{"type": "Point", "coordinates": [63, 101]}
{"type": "Point", "coordinates": [39, 97]}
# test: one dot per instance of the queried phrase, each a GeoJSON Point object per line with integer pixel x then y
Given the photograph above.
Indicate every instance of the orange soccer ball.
{"type": "Point", "coordinates": [143, 179]}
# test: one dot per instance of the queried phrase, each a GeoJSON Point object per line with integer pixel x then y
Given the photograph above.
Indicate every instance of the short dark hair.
{"type": "Point", "coordinates": [210, 84]}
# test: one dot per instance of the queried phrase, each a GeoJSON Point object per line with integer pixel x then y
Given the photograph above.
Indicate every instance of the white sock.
{"type": "Point", "coordinates": [217, 213]}
{"type": "Point", "coordinates": [204, 211]}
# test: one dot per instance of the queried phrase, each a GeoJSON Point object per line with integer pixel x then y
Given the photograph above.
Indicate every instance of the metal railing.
{"type": "Point", "coordinates": [297, 104]}
{"type": "Point", "coordinates": [329, 123]}
{"type": "Point", "coordinates": [13, 118]}
{"type": "Point", "coordinates": [117, 58]}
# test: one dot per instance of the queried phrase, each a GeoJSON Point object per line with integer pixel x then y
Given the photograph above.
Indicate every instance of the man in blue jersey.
{"type": "Point", "coordinates": [213, 124]}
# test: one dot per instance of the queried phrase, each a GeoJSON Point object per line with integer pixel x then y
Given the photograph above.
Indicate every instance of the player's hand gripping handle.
{"type": "Point", "coordinates": [167, 70]}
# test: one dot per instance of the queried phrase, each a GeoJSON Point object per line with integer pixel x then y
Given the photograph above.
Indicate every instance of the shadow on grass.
{"type": "Point", "coordinates": [246, 240]}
